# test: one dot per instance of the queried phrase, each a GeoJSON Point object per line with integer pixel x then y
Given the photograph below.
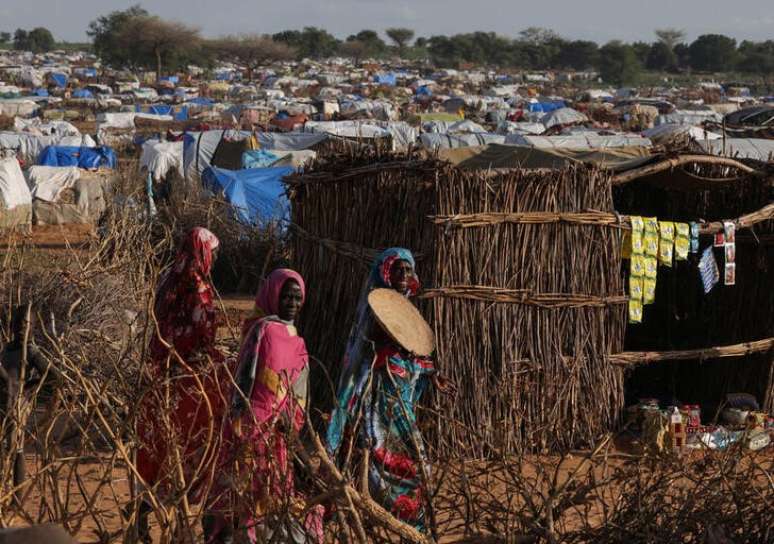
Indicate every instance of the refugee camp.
{"type": "Point", "coordinates": [364, 273]}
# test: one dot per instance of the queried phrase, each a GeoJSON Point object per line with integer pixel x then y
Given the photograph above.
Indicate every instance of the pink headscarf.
{"type": "Point", "coordinates": [267, 299]}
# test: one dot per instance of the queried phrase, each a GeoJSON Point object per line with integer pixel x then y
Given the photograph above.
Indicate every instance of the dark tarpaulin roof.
{"type": "Point", "coordinates": [512, 156]}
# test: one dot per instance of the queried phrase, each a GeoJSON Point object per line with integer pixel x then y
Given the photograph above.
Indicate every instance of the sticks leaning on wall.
{"type": "Point", "coordinates": [590, 217]}
{"type": "Point", "coordinates": [674, 162]}
{"type": "Point", "coordinates": [630, 358]}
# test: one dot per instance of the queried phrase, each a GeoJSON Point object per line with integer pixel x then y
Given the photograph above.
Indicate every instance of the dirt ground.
{"type": "Point", "coordinates": [50, 237]}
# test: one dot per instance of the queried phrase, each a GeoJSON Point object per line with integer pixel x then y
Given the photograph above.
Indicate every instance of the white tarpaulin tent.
{"type": "Point", "coordinates": [21, 106]}
{"type": "Point", "coordinates": [743, 148]}
{"type": "Point", "coordinates": [48, 182]}
{"type": "Point", "coordinates": [509, 127]}
{"type": "Point", "coordinates": [159, 158]}
{"type": "Point", "coordinates": [663, 133]}
{"type": "Point", "coordinates": [464, 126]}
{"type": "Point", "coordinates": [45, 128]}
{"type": "Point", "coordinates": [453, 141]}
{"type": "Point", "coordinates": [68, 194]}
{"type": "Point", "coordinates": [402, 134]}
{"type": "Point", "coordinates": [15, 197]}
{"type": "Point", "coordinates": [688, 117]}
{"type": "Point", "coordinates": [28, 146]}
{"type": "Point", "coordinates": [199, 147]}
{"type": "Point", "coordinates": [563, 116]}
{"type": "Point", "coordinates": [578, 141]}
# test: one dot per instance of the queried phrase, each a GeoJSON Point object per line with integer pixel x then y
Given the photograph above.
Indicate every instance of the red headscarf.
{"type": "Point", "coordinates": [197, 247]}
{"type": "Point", "coordinates": [267, 299]}
{"type": "Point", "coordinates": [191, 267]}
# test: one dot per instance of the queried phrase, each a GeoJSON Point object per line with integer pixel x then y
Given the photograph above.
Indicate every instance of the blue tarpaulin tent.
{"type": "Point", "coordinates": [386, 79]}
{"type": "Point", "coordinates": [164, 109]}
{"type": "Point", "coordinates": [59, 79]}
{"type": "Point", "coordinates": [258, 158]}
{"type": "Point", "coordinates": [82, 93]}
{"type": "Point", "coordinates": [171, 79]}
{"type": "Point", "coordinates": [40, 92]}
{"type": "Point", "coordinates": [155, 109]}
{"type": "Point", "coordinates": [546, 106]}
{"type": "Point", "coordinates": [82, 157]}
{"type": "Point", "coordinates": [258, 194]}
{"type": "Point", "coordinates": [86, 72]}
{"type": "Point", "coordinates": [201, 101]}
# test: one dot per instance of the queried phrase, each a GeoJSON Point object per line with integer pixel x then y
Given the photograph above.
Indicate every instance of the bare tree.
{"type": "Point", "coordinates": [401, 37]}
{"type": "Point", "coordinates": [355, 50]}
{"type": "Point", "coordinates": [158, 39]}
{"type": "Point", "coordinates": [670, 36]}
{"type": "Point", "coordinates": [252, 51]}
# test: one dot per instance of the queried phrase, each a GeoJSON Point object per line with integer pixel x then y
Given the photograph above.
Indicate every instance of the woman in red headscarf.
{"type": "Point", "coordinates": [184, 373]}
{"type": "Point", "coordinates": [256, 491]}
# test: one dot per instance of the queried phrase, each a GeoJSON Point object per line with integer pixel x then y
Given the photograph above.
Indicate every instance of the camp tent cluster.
{"type": "Point", "coordinates": [524, 195]}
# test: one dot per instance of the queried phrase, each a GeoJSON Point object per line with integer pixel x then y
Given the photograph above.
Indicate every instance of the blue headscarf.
{"type": "Point", "coordinates": [358, 358]}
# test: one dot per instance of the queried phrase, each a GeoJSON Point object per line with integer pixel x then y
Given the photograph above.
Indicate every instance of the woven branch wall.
{"type": "Point", "coordinates": [345, 217]}
{"type": "Point", "coordinates": [517, 387]}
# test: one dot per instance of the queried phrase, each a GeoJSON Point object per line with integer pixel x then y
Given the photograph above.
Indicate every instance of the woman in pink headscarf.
{"type": "Point", "coordinates": [256, 485]}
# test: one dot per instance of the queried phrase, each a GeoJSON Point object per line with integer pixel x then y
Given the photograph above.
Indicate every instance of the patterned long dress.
{"type": "Point", "coordinates": [397, 456]}
{"type": "Point", "coordinates": [186, 317]}
{"type": "Point", "coordinates": [396, 446]}
{"type": "Point", "coordinates": [256, 479]}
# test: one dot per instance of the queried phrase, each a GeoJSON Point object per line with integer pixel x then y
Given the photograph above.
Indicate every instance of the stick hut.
{"type": "Point", "coordinates": [523, 282]}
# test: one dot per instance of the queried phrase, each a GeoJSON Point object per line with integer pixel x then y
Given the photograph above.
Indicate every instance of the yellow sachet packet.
{"type": "Point", "coordinates": [637, 223]}
{"type": "Point", "coordinates": [637, 265]}
{"type": "Point", "coordinates": [682, 246]}
{"type": "Point", "coordinates": [650, 264]}
{"type": "Point", "coordinates": [682, 241]}
{"type": "Point", "coordinates": [648, 290]}
{"type": "Point", "coordinates": [666, 230]}
{"type": "Point", "coordinates": [650, 244]}
{"type": "Point", "coordinates": [666, 252]}
{"type": "Point", "coordinates": [635, 311]}
{"type": "Point", "coordinates": [635, 287]}
{"type": "Point", "coordinates": [650, 224]}
{"type": "Point", "coordinates": [636, 242]}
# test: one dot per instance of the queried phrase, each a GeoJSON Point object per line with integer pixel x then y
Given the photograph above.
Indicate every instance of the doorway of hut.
{"type": "Point", "coordinates": [683, 316]}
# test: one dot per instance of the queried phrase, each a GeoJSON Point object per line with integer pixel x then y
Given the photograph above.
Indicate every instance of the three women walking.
{"type": "Point", "coordinates": [256, 419]}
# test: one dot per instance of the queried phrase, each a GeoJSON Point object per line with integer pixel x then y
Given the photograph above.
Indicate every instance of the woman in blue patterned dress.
{"type": "Point", "coordinates": [382, 383]}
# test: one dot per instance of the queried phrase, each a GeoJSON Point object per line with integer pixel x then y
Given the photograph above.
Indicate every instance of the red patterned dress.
{"type": "Point", "coordinates": [186, 317]}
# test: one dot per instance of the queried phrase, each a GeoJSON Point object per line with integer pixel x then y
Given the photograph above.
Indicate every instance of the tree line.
{"type": "Point", "coordinates": [135, 39]}
{"type": "Point", "coordinates": [37, 40]}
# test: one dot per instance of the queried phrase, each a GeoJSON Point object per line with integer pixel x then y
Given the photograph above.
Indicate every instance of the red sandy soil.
{"type": "Point", "coordinates": [49, 237]}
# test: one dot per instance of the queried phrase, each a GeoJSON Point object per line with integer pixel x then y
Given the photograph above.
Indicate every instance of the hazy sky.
{"type": "Point", "coordinates": [599, 20]}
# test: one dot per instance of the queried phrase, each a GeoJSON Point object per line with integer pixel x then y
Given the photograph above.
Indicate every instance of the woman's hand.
{"type": "Point", "coordinates": [444, 386]}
